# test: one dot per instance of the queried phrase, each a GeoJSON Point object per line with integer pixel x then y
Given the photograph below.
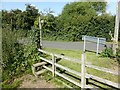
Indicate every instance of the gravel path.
{"type": "Point", "coordinates": [30, 81]}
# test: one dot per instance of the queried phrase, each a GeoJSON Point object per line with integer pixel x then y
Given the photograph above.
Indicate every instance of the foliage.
{"type": "Point", "coordinates": [17, 19]}
{"type": "Point", "coordinates": [48, 25]}
{"type": "Point", "coordinates": [118, 52]}
{"type": "Point", "coordinates": [10, 84]}
{"type": "Point", "coordinates": [12, 56]}
{"type": "Point", "coordinates": [107, 52]}
{"type": "Point", "coordinates": [17, 58]}
{"type": "Point", "coordinates": [99, 7]}
{"type": "Point", "coordinates": [86, 18]}
{"type": "Point", "coordinates": [118, 55]}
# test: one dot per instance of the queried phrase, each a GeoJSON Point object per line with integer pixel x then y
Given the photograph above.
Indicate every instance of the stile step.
{"type": "Point", "coordinates": [39, 64]}
{"type": "Point", "coordinates": [33, 71]}
{"type": "Point", "coordinates": [40, 72]}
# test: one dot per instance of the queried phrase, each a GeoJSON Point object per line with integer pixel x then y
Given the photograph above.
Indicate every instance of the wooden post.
{"type": "Point", "coordinates": [53, 65]}
{"type": "Point", "coordinates": [97, 47]}
{"type": "Point", "coordinates": [116, 31]}
{"type": "Point", "coordinates": [83, 80]}
{"type": "Point", "coordinates": [84, 44]}
{"type": "Point", "coordinates": [40, 26]}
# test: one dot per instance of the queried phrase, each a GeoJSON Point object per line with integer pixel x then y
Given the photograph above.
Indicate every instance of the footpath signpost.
{"type": "Point", "coordinates": [117, 22]}
{"type": "Point", "coordinates": [96, 40]}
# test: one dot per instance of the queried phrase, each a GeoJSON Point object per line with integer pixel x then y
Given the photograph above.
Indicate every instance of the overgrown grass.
{"type": "Point", "coordinates": [91, 57]}
{"type": "Point", "coordinates": [15, 57]}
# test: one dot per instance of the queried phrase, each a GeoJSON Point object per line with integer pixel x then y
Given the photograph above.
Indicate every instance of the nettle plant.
{"type": "Point", "coordinates": [17, 57]}
{"type": "Point", "coordinates": [35, 36]}
{"type": "Point", "coordinates": [12, 55]}
{"type": "Point", "coordinates": [33, 48]}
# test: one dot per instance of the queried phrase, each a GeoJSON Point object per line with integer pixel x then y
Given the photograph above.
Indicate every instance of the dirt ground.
{"type": "Point", "coordinates": [30, 81]}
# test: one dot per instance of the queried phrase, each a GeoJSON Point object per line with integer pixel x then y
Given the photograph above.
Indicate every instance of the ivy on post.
{"type": "Point", "coordinates": [40, 27]}
{"type": "Point", "coordinates": [36, 36]}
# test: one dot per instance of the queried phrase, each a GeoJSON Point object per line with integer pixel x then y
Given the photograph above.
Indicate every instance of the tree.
{"type": "Point", "coordinates": [100, 7]}
{"type": "Point", "coordinates": [16, 19]}
{"type": "Point", "coordinates": [29, 16]}
{"type": "Point", "coordinates": [86, 18]}
{"type": "Point", "coordinates": [48, 25]}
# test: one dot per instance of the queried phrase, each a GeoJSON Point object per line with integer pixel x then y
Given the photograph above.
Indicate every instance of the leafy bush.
{"type": "Point", "coordinates": [11, 84]}
{"type": "Point", "coordinates": [17, 58]}
{"type": "Point", "coordinates": [118, 55]}
{"type": "Point", "coordinates": [12, 54]}
{"type": "Point", "coordinates": [107, 52]}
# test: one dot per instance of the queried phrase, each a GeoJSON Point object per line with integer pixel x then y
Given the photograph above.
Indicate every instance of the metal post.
{"type": "Point", "coordinates": [115, 40]}
{"type": "Point", "coordinates": [84, 44]}
{"type": "Point", "coordinates": [83, 80]}
{"type": "Point", "coordinates": [97, 46]}
{"type": "Point", "coordinates": [40, 26]}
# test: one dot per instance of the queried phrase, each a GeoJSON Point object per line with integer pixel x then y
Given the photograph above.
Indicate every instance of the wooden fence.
{"type": "Point", "coordinates": [83, 74]}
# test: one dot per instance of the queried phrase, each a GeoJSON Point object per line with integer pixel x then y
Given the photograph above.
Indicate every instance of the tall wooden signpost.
{"type": "Point", "coordinates": [40, 26]}
{"type": "Point", "coordinates": [116, 32]}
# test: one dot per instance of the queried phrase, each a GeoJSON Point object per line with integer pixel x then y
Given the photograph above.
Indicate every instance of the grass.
{"type": "Point", "coordinates": [91, 57]}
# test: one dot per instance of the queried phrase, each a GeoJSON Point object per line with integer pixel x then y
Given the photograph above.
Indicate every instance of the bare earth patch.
{"type": "Point", "coordinates": [30, 81]}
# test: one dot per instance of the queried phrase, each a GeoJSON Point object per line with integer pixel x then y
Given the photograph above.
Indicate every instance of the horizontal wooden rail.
{"type": "Point", "coordinates": [47, 68]}
{"type": "Point", "coordinates": [44, 52]}
{"type": "Point", "coordinates": [63, 57]}
{"type": "Point", "coordinates": [107, 82]}
{"type": "Point", "coordinates": [67, 58]}
{"type": "Point", "coordinates": [103, 69]}
{"type": "Point", "coordinates": [88, 64]}
{"type": "Point", "coordinates": [49, 61]}
{"type": "Point", "coordinates": [67, 69]}
{"type": "Point", "coordinates": [70, 80]}
{"type": "Point", "coordinates": [104, 81]}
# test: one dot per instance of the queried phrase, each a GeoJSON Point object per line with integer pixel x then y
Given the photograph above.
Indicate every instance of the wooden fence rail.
{"type": "Point", "coordinates": [83, 74]}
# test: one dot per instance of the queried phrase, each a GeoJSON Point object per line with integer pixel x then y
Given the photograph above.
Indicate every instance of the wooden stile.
{"type": "Point", "coordinates": [83, 73]}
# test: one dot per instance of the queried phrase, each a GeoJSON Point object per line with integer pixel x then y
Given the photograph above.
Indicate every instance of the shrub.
{"type": "Point", "coordinates": [12, 54]}
{"type": "Point", "coordinates": [107, 52]}
{"type": "Point", "coordinates": [118, 55]}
